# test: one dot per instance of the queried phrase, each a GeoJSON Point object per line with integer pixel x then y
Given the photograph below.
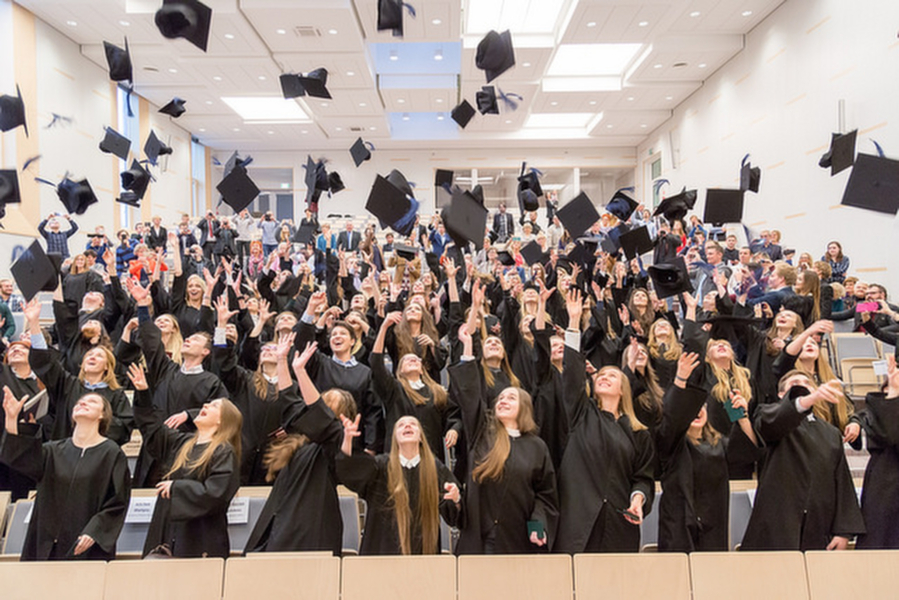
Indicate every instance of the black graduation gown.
{"type": "Point", "coordinates": [261, 416]}
{"type": "Point", "coordinates": [549, 410]}
{"type": "Point", "coordinates": [64, 390]}
{"type": "Point", "coordinates": [367, 476]}
{"type": "Point", "coordinates": [605, 462]}
{"type": "Point", "coordinates": [79, 491]}
{"type": "Point", "coordinates": [302, 512]}
{"type": "Point", "coordinates": [11, 480]}
{"type": "Point", "coordinates": [193, 522]}
{"type": "Point", "coordinates": [695, 504]}
{"type": "Point", "coordinates": [805, 494]}
{"type": "Point", "coordinates": [190, 319]}
{"type": "Point", "coordinates": [665, 370]}
{"type": "Point", "coordinates": [496, 513]}
{"type": "Point", "coordinates": [397, 404]}
{"type": "Point", "coordinates": [881, 487]}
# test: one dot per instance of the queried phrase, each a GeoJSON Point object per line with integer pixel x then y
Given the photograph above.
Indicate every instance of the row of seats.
{"type": "Point", "coordinates": [852, 357]}
{"type": "Point", "coordinates": [700, 576]}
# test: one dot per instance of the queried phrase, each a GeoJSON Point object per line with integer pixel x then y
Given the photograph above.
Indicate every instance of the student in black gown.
{"type": "Point", "coordinates": [302, 512]}
{"type": "Point", "coordinates": [881, 488]}
{"type": "Point", "coordinates": [511, 502]}
{"type": "Point", "coordinates": [695, 503]}
{"type": "Point", "coordinates": [407, 490]}
{"type": "Point", "coordinates": [806, 498]}
{"type": "Point", "coordinates": [190, 518]}
{"type": "Point", "coordinates": [411, 392]}
{"type": "Point", "coordinates": [16, 373]}
{"type": "Point", "coordinates": [83, 485]}
{"type": "Point", "coordinates": [606, 479]}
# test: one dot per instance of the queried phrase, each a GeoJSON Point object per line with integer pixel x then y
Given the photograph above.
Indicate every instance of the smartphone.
{"type": "Point", "coordinates": [628, 513]}
{"type": "Point", "coordinates": [734, 414]}
{"type": "Point", "coordinates": [536, 526]}
{"type": "Point", "coordinates": [863, 307]}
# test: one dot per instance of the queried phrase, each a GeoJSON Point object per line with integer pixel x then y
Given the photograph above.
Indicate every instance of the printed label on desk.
{"type": "Point", "coordinates": [140, 510]}
{"type": "Point", "coordinates": [239, 511]}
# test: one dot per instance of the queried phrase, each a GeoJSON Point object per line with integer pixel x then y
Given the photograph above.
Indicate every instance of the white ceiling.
{"type": "Point", "coordinates": [247, 54]}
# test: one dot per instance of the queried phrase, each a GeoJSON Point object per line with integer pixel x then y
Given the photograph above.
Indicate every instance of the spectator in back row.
{"type": "Point", "coordinates": [57, 241]}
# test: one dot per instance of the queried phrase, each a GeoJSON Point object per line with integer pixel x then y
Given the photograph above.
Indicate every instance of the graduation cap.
{"type": "Point", "coordinates": [405, 251]}
{"type": "Point", "coordinates": [236, 161]}
{"type": "Point", "coordinates": [291, 86]}
{"type": "Point", "coordinates": [399, 181]}
{"type": "Point", "coordinates": [154, 148]}
{"type": "Point", "coordinates": [676, 207]}
{"type": "Point", "coordinates": [129, 198]}
{"type": "Point", "coordinates": [749, 176]}
{"type": "Point", "coordinates": [34, 271]}
{"type": "Point", "coordinates": [463, 113]}
{"type": "Point", "coordinates": [312, 194]}
{"type": "Point", "coordinates": [76, 196]}
{"type": "Point", "coordinates": [465, 219]}
{"type": "Point", "coordinates": [12, 112]}
{"type": "Point", "coordinates": [636, 242]}
{"type": "Point", "coordinates": [533, 253]}
{"type": "Point", "coordinates": [360, 151]}
{"type": "Point", "coordinates": [610, 245]}
{"type": "Point", "coordinates": [582, 253]}
{"type": "Point", "coordinates": [115, 143]}
{"type": "Point", "coordinates": [443, 178]}
{"type": "Point", "coordinates": [119, 61]}
{"type": "Point", "coordinates": [478, 192]}
{"type": "Point", "coordinates": [136, 179]}
{"type": "Point", "coordinates": [723, 206]}
{"type": "Point", "coordinates": [305, 234]}
{"type": "Point", "coordinates": [390, 15]}
{"type": "Point", "coordinates": [486, 100]}
{"type": "Point", "coordinates": [578, 215]}
{"type": "Point", "coordinates": [873, 184]}
{"type": "Point", "coordinates": [237, 189]}
{"type": "Point", "coordinates": [9, 187]}
{"type": "Point", "coordinates": [621, 205]}
{"type": "Point", "coordinates": [505, 258]}
{"type": "Point", "coordinates": [175, 108]}
{"type": "Point", "coordinates": [392, 207]}
{"type": "Point", "coordinates": [495, 54]}
{"type": "Point", "coordinates": [841, 154]}
{"type": "Point", "coordinates": [335, 183]}
{"type": "Point", "coordinates": [670, 278]}
{"type": "Point", "coordinates": [188, 19]}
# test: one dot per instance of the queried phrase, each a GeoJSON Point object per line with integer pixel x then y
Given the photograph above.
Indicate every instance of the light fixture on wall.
{"type": "Point", "coordinates": [695, 14]}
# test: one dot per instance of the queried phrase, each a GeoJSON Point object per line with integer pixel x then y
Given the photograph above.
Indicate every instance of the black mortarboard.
{"type": "Point", "coordinates": [136, 179]}
{"type": "Point", "coordinates": [495, 54]}
{"type": "Point", "coordinates": [478, 192]}
{"type": "Point", "coordinates": [9, 189]}
{"type": "Point", "coordinates": [175, 108]}
{"type": "Point", "coordinates": [610, 244]}
{"type": "Point", "coordinates": [335, 183]}
{"type": "Point", "coordinates": [12, 112]}
{"type": "Point", "coordinates": [873, 184]}
{"type": "Point", "coordinates": [529, 190]}
{"type": "Point", "coordinates": [723, 206]}
{"type": "Point", "coordinates": [527, 199]}
{"type": "Point", "coordinates": [750, 177]}
{"type": "Point", "coordinates": [841, 154]}
{"type": "Point", "coordinates": [405, 251]}
{"type": "Point", "coordinates": [115, 143]}
{"type": "Point", "coordinates": [34, 271]}
{"type": "Point", "coordinates": [505, 258]}
{"type": "Point", "coordinates": [622, 206]}
{"type": "Point", "coordinates": [360, 152]}
{"type": "Point", "coordinates": [119, 62]}
{"type": "Point", "coordinates": [237, 189]}
{"type": "Point", "coordinates": [76, 196]}
{"type": "Point", "coordinates": [578, 215]}
{"type": "Point", "coordinates": [670, 278]}
{"type": "Point", "coordinates": [636, 242]}
{"type": "Point", "coordinates": [390, 16]}
{"type": "Point", "coordinates": [291, 86]}
{"type": "Point", "coordinates": [314, 83]}
{"type": "Point", "coordinates": [466, 219]}
{"type": "Point", "coordinates": [676, 207]}
{"type": "Point", "coordinates": [533, 253]}
{"type": "Point", "coordinates": [463, 113]}
{"type": "Point", "coordinates": [154, 148]}
{"type": "Point", "coordinates": [486, 100]}
{"type": "Point", "coordinates": [312, 194]}
{"type": "Point", "coordinates": [388, 203]}
{"type": "Point", "coordinates": [188, 19]}
{"type": "Point", "coordinates": [399, 181]}
{"type": "Point", "coordinates": [582, 253]}
{"type": "Point", "coordinates": [129, 198]}
{"type": "Point", "coordinates": [530, 179]}
{"type": "Point", "coordinates": [443, 178]}
{"type": "Point", "coordinates": [305, 234]}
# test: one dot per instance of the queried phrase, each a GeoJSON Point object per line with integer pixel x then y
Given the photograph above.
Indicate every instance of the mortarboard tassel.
{"type": "Point", "coordinates": [30, 161]}
{"type": "Point", "coordinates": [657, 185]}
{"type": "Point", "coordinates": [511, 100]}
{"type": "Point", "coordinates": [879, 149]}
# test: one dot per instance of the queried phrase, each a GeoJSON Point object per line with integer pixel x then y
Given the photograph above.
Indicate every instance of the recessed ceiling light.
{"type": "Point", "coordinates": [695, 13]}
{"type": "Point", "coordinates": [271, 132]}
{"type": "Point", "coordinates": [372, 128]}
{"type": "Point", "coordinates": [591, 24]}
{"type": "Point", "coordinates": [400, 101]}
{"type": "Point", "coordinates": [305, 131]}
{"type": "Point", "coordinates": [363, 104]}
{"type": "Point", "coordinates": [350, 73]}
{"type": "Point", "coordinates": [72, 23]}
{"type": "Point", "coordinates": [609, 126]}
{"type": "Point", "coordinates": [173, 70]}
{"type": "Point", "coordinates": [630, 98]}
{"type": "Point", "coordinates": [237, 129]}
{"type": "Point", "coordinates": [202, 129]}
{"type": "Point", "coordinates": [406, 116]}
{"type": "Point", "coordinates": [553, 103]}
{"type": "Point", "coordinates": [592, 103]}
{"type": "Point", "coordinates": [339, 128]}
{"type": "Point", "coordinates": [527, 64]}
{"type": "Point", "coordinates": [508, 121]}
{"type": "Point", "coordinates": [438, 54]}
{"type": "Point", "coordinates": [440, 117]}
{"type": "Point", "coordinates": [394, 55]}
{"type": "Point", "coordinates": [229, 36]}
{"type": "Point", "coordinates": [669, 97]}
{"type": "Point", "coordinates": [125, 23]}
{"type": "Point", "coordinates": [439, 100]}
{"type": "Point", "coordinates": [281, 31]}
{"type": "Point", "coordinates": [436, 21]}
{"type": "Point", "coordinates": [643, 125]}
{"type": "Point", "coordinates": [643, 23]}
{"type": "Point", "coordinates": [702, 65]}
{"type": "Point", "coordinates": [332, 31]}
{"type": "Point", "coordinates": [324, 105]}
{"type": "Point", "coordinates": [746, 13]}
{"type": "Point", "coordinates": [657, 66]}
{"type": "Point", "coordinates": [209, 102]}
{"type": "Point", "coordinates": [217, 78]}
{"type": "Point", "coordinates": [262, 78]}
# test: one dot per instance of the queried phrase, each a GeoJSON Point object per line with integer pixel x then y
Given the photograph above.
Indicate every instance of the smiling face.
{"type": "Point", "coordinates": [786, 319]}
{"type": "Point", "coordinates": [410, 367]}
{"type": "Point", "coordinates": [507, 406]}
{"type": "Point", "coordinates": [701, 418]}
{"type": "Point", "coordinates": [210, 415]}
{"type": "Point", "coordinates": [94, 361]}
{"type": "Point", "coordinates": [641, 300]}
{"type": "Point", "coordinates": [810, 350]}
{"type": "Point", "coordinates": [164, 324]}
{"type": "Point", "coordinates": [407, 431]}
{"type": "Point", "coordinates": [493, 348]}
{"type": "Point", "coordinates": [640, 355]}
{"type": "Point", "coordinates": [413, 313]}
{"type": "Point", "coordinates": [833, 250]}
{"type": "Point", "coordinates": [607, 382]}
{"type": "Point", "coordinates": [194, 288]}
{"type": "Point", "coordinates": [341, 340]}
{"type": "Point", "coordinates": [18, 354]}
{"type": "Point", "coordinates": [557, 349]}
{"type": "Point", "coordinates": [91, 408]}
{"type": "Point", "coordinates": [662, 330]}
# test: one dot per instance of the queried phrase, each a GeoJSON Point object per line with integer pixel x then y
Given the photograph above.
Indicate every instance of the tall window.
{"type": "Point", "coordinates": [129, 126]}
{"type": "Point", "coordinates": [197, 178]}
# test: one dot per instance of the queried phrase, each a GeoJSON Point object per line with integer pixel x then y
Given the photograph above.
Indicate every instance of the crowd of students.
{"type": "Point", "coordinates": [532, 404]}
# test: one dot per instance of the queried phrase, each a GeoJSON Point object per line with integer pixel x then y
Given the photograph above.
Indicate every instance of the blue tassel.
{"type": "Point", "coordinates": [370, 146]}
{"type": "Point", "coordinates": [537, 172]}
{"type": "Point", "coordinates": [128, 101]}
{"type": "Point", "coordinates": [57, 119]}
{"type": "Point", "coordinates": [405, 225]}
{"type": "Point", "coordinates": [745, 158]}
{"type": "Point", "coordinates": [50, 183]}
{"type": "Point", "coordinates": [409, 8]}
{"type": "Point", "coordinates": [510, 99]}
{"type": "Point", "coordinates": [658, 183]}
{"type": "Point", "coordinates": [627, 189]}
{"type": "Point", "coordinates": [29, 162]}
{"type": "Point", "coordinates": [411, 184]}
{"type": "Point", "coordinates": [879, 149]}
{"type": "Point", "coordinates": [216, 162]}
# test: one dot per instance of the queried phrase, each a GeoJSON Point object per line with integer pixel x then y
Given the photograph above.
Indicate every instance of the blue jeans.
{"type": "Point", "coordinates": [268, 249]}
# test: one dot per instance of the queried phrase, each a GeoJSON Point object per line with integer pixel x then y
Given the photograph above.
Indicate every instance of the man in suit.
{"type": "Point", "coordinates": [209, 229]}
{"type": "Point", "coordinates": [226, 241]}
{"type": "Point", "coordinates": [503, 224]}
{"type": "Point", "coordinates": [349, 240]}
{"type": "Point", "coordinates": [157, 236]}
{"type": "Point", "coordinates": [780, 286]}
{"type": "Point", "coordinates": [766, 246]}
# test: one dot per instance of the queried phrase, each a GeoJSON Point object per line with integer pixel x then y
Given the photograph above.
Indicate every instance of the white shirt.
{"type": "Point", "coordinates": [410, 463]}
{"type": "Point", "coordinates": [513, 432]}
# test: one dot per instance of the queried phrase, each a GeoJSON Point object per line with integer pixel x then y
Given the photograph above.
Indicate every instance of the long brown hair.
{"type": "Point", "coordinates": [109, 376]}
{"type": "Point", "coordinates": [651, 399]}
{"type": "Point", "coordinates": [626, 402]}
{"type": "Point", "coordinates": [228, 432]}
{"type": "Point", "coordinates": [836, 414]}
{"type": "Point", "coordinates": [798, 327]}
{"type": "Point", "coordinates": [405, 344]}
{"type": "Point", "coordinates": [438, 392]}
{"type": "Point", "coordinates": [645, 318]}
{"type": "Point", "coordinates": [732, 378]}
{"type": "Point", "coordinates": [494, 463]}
{"type": "Point", "coordinates": [427, 511]}
{"type": "Point", "coordinates": [810, 285]}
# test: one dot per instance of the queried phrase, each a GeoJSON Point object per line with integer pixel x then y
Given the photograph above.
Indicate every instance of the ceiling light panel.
{"type": "Point", "coordinates": [266, 108]}
{"type": "Point", "coordinates": [592, 59]}
{"type": "Point", "coordinates": [521, 16]}
{"type": "Point", "coordinates": [558, 120]}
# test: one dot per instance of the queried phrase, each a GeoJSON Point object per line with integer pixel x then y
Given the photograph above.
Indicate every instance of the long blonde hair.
{"type": "Point", "coordinates": [672, 351]}
{"type": "Point", "coordinates": [651, 399]}
{"type": "Point", "coordinates": [734, 377]}
{"type": "Point", "coordinates": [505, 367]}
{"type": "Point", "coordinates": [438, 392]}
{"type": "Point", "coordinates": [428, 510]}
{"type": "Point", "coordinates": [843, 410]}
{"type": "Point", "coordinates": [109, 376]}
{"type": "Point", "coordinates": [404, 342]}
{"type": "Point", "coordinates": [228, 432]}
{"type": "Point", "coordinates": [798, 327]}
{"type": "Point", "coordinates": [626, 402]}
{"type": "Point", "coordinates": [173, 346]}
{"type": "Point", "coordinates": [494, 463]}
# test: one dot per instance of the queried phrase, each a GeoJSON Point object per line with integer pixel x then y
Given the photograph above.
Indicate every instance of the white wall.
{"type": "Point", "coordinates": [778, 101]}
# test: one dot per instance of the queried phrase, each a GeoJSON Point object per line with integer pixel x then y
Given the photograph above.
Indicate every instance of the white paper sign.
{"type": "Point", "coordinates": [239, 511]}
{"type": "Point", "coordinates": [880, 367]}
{"type": "Point", "coordinates": [140, 510]}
